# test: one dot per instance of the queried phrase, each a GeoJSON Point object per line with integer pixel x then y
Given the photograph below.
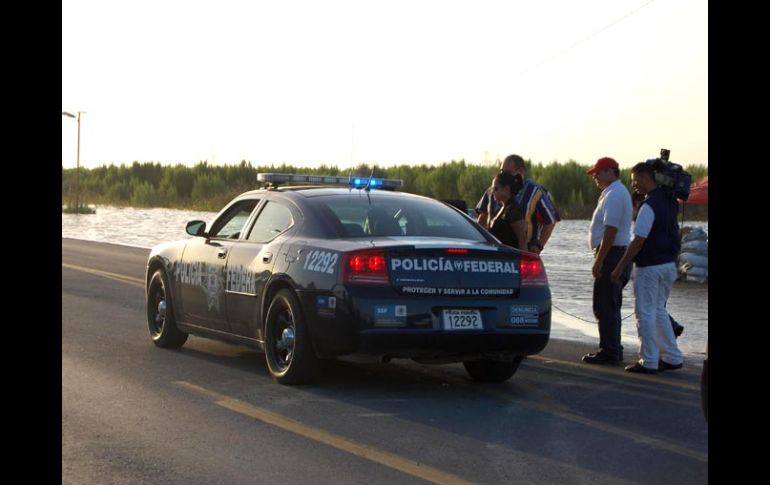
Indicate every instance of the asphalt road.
{"type": "Point", "coordinates": [210, 413]}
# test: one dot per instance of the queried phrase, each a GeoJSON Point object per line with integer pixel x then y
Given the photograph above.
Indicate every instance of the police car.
{"type": "Point", "coordinates": [352, 266]}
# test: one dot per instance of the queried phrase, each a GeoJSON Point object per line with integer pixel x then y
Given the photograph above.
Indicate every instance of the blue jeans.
{"type": "Point", "coordinates": [608, 299]}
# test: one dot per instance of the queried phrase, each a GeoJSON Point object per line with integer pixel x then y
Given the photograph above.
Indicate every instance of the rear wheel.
{"type": "Point", "coordinates": [160, 314]}
{"type": "Point", "coordinates": [288, 349]}
{"type": "Point", "coordinates": [486, 370]}
{"type": "Point", "coordinates": [704, 389]}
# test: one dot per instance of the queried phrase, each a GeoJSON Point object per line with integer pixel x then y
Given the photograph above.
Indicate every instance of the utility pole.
{"type": "Point", "coordinates": [77, 169]}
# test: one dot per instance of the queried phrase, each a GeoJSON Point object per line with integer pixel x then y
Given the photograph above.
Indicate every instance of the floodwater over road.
{"type": "Point", "coordinates": [567, 259]}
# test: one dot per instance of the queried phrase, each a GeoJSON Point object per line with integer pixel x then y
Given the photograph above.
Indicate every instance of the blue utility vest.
{"type": "Point", "coordinates": [662, 244]}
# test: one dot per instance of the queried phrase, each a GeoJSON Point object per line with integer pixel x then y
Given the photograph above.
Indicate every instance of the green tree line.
{"type": "Point", "coordinates": [209, 187]}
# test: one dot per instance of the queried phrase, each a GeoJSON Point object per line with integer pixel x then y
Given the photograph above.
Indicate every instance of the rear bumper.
{"type": "Point", "coordinates": [444, 346]}
{"type": "Point", "coordinates": [366, 321]}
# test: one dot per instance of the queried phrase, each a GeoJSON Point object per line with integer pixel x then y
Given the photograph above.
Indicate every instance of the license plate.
{"type": "Point", "coordinates": [462, 320]}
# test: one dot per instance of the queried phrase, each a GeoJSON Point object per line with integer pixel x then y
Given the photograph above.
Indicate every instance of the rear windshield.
{"type": "Point", "coordinates": [390, 215]}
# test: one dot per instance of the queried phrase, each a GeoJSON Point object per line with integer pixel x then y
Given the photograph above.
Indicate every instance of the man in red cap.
{"type": "Point", "coordinates": [609, 235]}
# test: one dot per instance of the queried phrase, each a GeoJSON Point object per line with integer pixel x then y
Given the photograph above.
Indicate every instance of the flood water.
{"type": "Point", "coordinates": [567, 260]}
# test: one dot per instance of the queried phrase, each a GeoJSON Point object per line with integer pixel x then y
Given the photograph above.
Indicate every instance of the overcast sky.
{"type": "Point", "coordinates": [387, 82]}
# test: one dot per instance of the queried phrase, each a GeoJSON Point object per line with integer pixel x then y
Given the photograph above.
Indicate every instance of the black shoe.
{"type": "Point", "coordinates": [640, 369]}
{"type": "Point", "coordinates": [663, 365]}
{"type": "Point", "coordinates": [678, 331]}
{"type": "Point", "coordinates": [601, 358]}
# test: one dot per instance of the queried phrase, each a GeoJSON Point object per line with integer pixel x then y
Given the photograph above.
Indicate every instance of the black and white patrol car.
{"type": "Point", "coordinates": [312, 272]}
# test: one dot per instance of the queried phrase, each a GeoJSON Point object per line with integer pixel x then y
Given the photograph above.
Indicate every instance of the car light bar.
{"type": "Point", "coordinates": [357, 182]}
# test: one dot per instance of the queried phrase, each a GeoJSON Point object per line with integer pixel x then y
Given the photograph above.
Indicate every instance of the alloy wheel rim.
{"type": "Point", "coordinates": [159, 306]}
{"type": "Point", "coordinates": [284, 339]}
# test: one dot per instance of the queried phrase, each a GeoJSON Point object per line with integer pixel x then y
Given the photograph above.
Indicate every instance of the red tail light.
{"type": "Point", "coordinates": [532, 270]}
{"type": "Point", "coordinates": [366, 267]}
{"type": "Point", "coordinates": [457, 251]}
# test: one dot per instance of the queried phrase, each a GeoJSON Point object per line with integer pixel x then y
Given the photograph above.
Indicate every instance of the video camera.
{"type": "Point", "coordinates": [671, 177]}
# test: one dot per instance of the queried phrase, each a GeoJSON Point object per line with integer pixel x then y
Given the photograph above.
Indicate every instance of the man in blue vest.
{"type": "Point", "coordinates": [653, 250]}
{"type": "Point", "coordinates": [540, 213]}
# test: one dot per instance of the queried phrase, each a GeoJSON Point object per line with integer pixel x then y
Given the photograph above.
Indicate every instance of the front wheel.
{"type": "Point", "coordinates": [288, 349]}
{"type": "Point", "coordinates": [486, 370]}
{"type": "Point", "coordinates": [160, 314]}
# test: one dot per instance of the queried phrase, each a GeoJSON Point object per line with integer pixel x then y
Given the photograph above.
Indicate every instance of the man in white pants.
{"type": "Point", "coordinates": [653, 250]}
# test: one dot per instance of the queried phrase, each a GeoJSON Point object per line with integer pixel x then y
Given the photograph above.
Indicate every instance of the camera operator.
{"type": "Point", "coordinates": [637, 199]}
{"type": "Point", "coordinates": [653, 250]}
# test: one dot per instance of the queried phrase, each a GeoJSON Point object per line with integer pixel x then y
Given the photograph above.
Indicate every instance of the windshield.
{"type": "Point", "coordinates": [390, 215]}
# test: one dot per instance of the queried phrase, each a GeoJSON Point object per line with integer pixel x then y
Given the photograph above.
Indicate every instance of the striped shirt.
{"type": "Point", "coordinates": [535, 203]}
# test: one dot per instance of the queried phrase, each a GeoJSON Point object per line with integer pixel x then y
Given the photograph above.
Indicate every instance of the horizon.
{"type": "Point", "coordinates": [407, 83]}
{"type": "Point", "coordinates": [356, 164]}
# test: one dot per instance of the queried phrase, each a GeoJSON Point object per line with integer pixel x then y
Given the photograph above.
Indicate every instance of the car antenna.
{"type": "Point", "coordinates": [369, 182]}
{"type": "Point", "coordinates": [368, 187]}
{"type": "Point", "coordinates": [350, 172]}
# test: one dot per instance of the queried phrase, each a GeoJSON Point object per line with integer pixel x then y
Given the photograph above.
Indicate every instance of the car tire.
{"type": "Point", "coordinates": [704, 389]}
{"type": "Point", "coordinates": [160, 314]}
{"type": "Point", "coordinates": [288, 349]}
{"type": "Point", "coordinates": [486, 370]}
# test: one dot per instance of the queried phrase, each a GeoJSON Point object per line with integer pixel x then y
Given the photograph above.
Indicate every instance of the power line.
{"type": "Point", "coordinates": [585, 39]}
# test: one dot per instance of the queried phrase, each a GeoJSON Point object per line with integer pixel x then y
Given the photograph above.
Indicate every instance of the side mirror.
{"type": "Point", "coordinates": [196, 228]}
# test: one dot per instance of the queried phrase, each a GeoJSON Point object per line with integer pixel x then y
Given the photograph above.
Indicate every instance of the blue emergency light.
{"type": "Point", "coordinates": [357, 182]}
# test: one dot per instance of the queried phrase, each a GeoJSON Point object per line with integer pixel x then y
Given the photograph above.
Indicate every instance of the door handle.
{"type": "Point", "coordinates": [267, 257]}
{"type": "Point", "coordinates": [222, 253]}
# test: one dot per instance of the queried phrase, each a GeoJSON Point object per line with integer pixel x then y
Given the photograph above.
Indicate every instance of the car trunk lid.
{"type": "Point", "coordinates": [451, 267]}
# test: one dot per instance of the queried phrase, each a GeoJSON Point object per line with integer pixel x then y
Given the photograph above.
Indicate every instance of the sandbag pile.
{"type": "Point", "coordinates": [693, 261]}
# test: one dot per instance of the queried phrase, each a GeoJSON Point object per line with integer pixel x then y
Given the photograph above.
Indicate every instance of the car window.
{"type": "Point", "coordinates": [230, 225]}
{"type": "Point", "coordinates": [399, 216]}
{"type": "Point", "coordinates": [271, 221]}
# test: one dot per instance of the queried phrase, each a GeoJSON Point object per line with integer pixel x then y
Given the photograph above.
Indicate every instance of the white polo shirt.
{"type": "Point", "coordinates": [644, 220]}
{"type": "Point", "coordinates": [613, 209]}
